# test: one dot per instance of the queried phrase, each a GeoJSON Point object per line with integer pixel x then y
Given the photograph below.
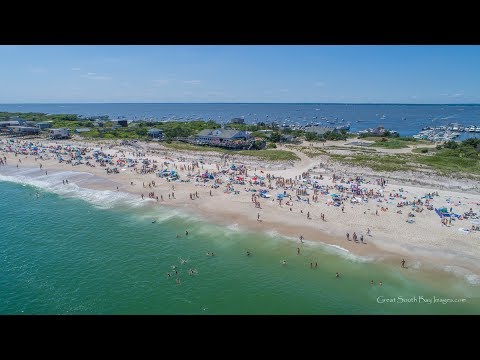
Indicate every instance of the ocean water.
{"type": "Point", "coordinates": [407, 119]}
{"type": "Point", "coordinates": [71, 250]}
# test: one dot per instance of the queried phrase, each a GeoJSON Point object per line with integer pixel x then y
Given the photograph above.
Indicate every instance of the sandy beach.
{"type": "Point", "coordinates": [374, 209]}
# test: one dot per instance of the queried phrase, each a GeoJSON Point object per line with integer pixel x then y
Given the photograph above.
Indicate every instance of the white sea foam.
{"type": "Point", "coordinates": [53, 184]}
{"type": "Point", "coordinates": [470, 277]}
{"type": "Point", "coordinates": [336, 249]}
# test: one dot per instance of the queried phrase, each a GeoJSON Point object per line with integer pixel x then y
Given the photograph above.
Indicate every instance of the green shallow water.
{"type": "Point", "coordinates": [63, 255]}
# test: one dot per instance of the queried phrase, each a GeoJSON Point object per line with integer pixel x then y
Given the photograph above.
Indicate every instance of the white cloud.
{"type": "Point", "coordinates": [456, 95]}
{"type": "Point", "coordinates": [160, 82]}
{"type": "Point", "coordinates": [187, 93]}
{"type": "Point", "coordinates": [283, 90]}
{"type": "Point", "coordinates": [191, 82]}
{"type": "Point", "coordinates": [319, 84]}
{"type": "Point", "coordinates": [413, 97]}
{"type": "Point", "coordinates": [75, 69]}
{"type": "Point", "coordinates": [94, 76]}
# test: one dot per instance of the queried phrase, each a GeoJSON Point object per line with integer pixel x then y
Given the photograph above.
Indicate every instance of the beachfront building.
{"type": "Point", "coordinates": [23, 130]}
{"type": "Point", "coordinates": [119, 123]}
{"type": "Point", "coordinates": [5, 124]}
{"type": "Point", "coordinates": [82, 130]}
{"type": "Point", "coordinates": [220, 135]}
{"type": "Point", "coordinates": [155, 133]}
{"type": "Point", "coordinates": [225, 138]}
{"type": "Point", "coordinates": [43, 125]}
{"type": "Point", "coordinates": [60, 133]}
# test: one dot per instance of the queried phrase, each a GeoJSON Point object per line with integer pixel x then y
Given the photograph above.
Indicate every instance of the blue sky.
{"type": "Point", "coordinates": [358, 74]}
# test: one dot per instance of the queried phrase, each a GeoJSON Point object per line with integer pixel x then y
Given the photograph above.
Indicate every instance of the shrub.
{"type": "Point", "coordinates": [271, 145]}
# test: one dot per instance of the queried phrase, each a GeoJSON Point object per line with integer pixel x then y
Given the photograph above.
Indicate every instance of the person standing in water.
{"type": "Point", "coordinates": [403, 263]}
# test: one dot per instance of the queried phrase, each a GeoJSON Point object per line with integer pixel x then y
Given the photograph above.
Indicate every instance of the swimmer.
{"type": "Point", "coordinates": [248, 253]}
{"type": "Point", "coordinates": [337, 275]}
{"type": "Point", "coordinates": [371, 282]}
{"type": "Point", "coordinates": [284, 262]}
{"type": "Point", "coordinates": [380, 283]}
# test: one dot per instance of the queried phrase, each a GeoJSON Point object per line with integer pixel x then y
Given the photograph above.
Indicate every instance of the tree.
{"type": "Point", "coordinates": [275, 137]}
{"type": "Point", "coordinates": [311, 136]}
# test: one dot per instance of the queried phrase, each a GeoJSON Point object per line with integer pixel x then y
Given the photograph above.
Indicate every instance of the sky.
{"type": "Point", "coordinates": [240, 73]}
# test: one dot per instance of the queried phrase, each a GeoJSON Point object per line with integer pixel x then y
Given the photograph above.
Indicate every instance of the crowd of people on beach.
{"type": "Point", "coordinates": [305, 194]}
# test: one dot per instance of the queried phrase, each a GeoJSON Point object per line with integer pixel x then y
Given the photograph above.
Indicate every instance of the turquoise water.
{"type": "Point", "coordinates": [60, 254]}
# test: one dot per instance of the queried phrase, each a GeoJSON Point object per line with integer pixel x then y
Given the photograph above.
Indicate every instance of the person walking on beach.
{"type": "Point", "coordinates": [368, 231]}
{"type": "Point", "coordinates": [403, 263]}
{"type": "Point", "coordinates": [348, 236]}
{"type": "Point", "coordinates": [301, 239]}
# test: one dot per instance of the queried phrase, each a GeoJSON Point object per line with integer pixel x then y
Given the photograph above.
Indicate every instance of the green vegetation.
{"type": "Point", "coordinates": [454, 157]}
{"type": "Point", "coordinates": [424, 150]}
{"type": "Point", "coordinates": [272, 155]}
{"type": "Point", "coordinates": [451, 158]}
{"type": "Point", "coordinates": [271, 145]}
{"type": "Point", "coordinates": [390, 144]}
{"type": "Point", "coordinates": [376, 162]}
{"type": "Point", "coordinates": [386, 134]}
{"type": "Point", "coordinates": [394, 142]}
{"type": "Point", "coordinates": [310, 151]}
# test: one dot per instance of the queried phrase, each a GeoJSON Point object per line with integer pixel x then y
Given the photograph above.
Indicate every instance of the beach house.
{"type": "Point", "coordinates": [44, 125]}
{"type": "Point", "coordinates": [23, 130]}
{"type": "Point", "coordinates": [155, 133]}
{"type": "Point", "coordinates": [60, 133]}
{"type": "Point", "coordinates": [221, 135]}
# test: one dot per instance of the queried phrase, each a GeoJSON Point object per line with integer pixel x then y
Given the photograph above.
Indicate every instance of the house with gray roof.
{"type": "Point", "coordinates": [155, 133]}
{"type": "Point", "coordinates": [222, 135]}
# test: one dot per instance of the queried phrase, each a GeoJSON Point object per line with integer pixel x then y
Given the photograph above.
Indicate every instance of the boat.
{"type": "Point", "coordinates": [343, 127]}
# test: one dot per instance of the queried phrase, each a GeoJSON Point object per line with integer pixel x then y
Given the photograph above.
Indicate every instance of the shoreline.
{"type": "Point", "coordinates": [227, 209]}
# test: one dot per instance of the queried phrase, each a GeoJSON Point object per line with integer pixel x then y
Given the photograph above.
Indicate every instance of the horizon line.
{"type": "Point", "coordinates": [318, 103]}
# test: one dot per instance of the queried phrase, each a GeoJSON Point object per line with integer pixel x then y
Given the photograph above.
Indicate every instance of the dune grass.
{"type": "Point", "coordinates": [271, 155]}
